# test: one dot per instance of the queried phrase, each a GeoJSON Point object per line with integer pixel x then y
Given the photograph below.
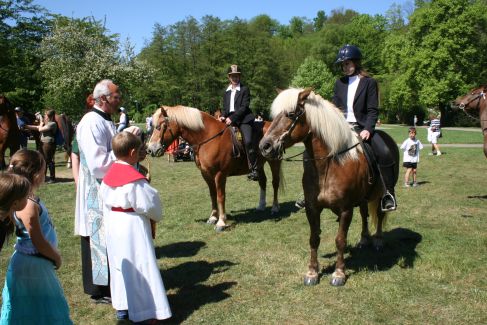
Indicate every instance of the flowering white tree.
{"type": "Point", "coordinates": [79, 53]}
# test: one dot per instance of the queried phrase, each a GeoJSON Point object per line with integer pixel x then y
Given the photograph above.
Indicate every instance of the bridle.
{"type": "Point", "coordinates": [295, 117]}
{"type": "Point", "coordinates": [167, 126]}
{"type": "Point", "coordinates": [480, 96]}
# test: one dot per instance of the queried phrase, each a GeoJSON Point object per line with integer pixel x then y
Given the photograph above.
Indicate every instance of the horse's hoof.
{"type": "Point", "coordinates": [260, 208]}
{"type": "Point", "coordinates": [220, 228]}
{"type": "Point", "coordinates": [378, 244]}
{"type": "Point", "coordinates": [311, 280]}
{"type": "Point", "coordinates": [212, 220]}
{"type": "Point", "coordinates": [364, 242]}
{"type": "Point", "coordinates": [337, 281]}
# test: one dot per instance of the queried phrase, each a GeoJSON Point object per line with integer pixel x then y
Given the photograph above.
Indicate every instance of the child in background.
{"type": "Point", "coordinates": [434, 132]}
{"type": "Point", "coordinates": [411, 147]}
{"type": "Point", "coordinates": [13, 197]}
{"type": "Point", "coordinates": [136, 285]}
{"type": "Point", "coordinates": [32, 293]}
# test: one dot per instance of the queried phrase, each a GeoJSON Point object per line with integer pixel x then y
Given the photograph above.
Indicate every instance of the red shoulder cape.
{"type": "Point", "coordinates": [121, 174]}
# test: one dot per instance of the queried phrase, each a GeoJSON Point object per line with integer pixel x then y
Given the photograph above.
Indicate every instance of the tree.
{"type": "Point", "coordinates": [77, 54]}
{"type": "Point", "coordinates": [22, 26]}
{"type": "Point", "coordinates": [314, 73]}
{"type": "Point", "coordinates": [319, 20]}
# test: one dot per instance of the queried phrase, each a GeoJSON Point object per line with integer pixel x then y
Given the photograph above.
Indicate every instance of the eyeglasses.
{"type": "Point", "coordinates": [116, 97]}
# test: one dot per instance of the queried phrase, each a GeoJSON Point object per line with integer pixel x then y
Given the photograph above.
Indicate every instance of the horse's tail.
{"type": "Point", "coordinates": [67, 131]}
{"type": "Point", "coordinates": [374, 207]}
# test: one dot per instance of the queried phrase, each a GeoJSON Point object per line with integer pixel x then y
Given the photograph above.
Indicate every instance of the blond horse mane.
{"type": "Point", "coordinates": [188, 117]}
{"type": "Point", "coordinates": [325, 121]}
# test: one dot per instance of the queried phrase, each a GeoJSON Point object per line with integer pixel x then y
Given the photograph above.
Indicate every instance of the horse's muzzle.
{"type": "Point", "coordinates": [269, 149]}
{"type": "Point", "coordinates": [155, 150]}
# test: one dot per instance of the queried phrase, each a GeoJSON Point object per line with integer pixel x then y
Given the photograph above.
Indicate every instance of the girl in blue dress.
{"type": "Point", "coordinates": [32, 293]}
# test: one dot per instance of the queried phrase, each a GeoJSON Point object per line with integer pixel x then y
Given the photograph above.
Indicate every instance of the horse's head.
{"type": "Point", "coordinates": [472, 101]}
{"type": "Point", "coordinates": [165, 131]}
{"type": "Point", "coordinates": [289, 125]}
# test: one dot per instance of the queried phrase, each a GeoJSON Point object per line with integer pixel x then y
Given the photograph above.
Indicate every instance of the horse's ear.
{"type": "Point", "coordinates": [279, 90]}
{"type": "Point", "coordinates": [163, 111]}
{"type": "Point", "coordinates": [304, 95]}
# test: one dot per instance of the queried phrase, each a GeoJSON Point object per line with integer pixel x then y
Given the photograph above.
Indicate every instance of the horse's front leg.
{"type": "Point", "coordinates": [221, 181]}
{"type": "Point", "coordinates": [313, 215]}
{"type": "Point", "coordinates": [276, 182]}
{"type": "Point", "coordinates": [338, 277]}
{"type": "Point", "coordinates": [210, 181]}
{"type": "Point", "coordinates": [365, 235]}
{"type": "Point", "coordinates": [262, 185]}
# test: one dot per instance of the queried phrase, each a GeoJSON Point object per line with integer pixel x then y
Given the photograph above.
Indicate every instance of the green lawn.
{"type": "Point", "coordinates": [433, 269]}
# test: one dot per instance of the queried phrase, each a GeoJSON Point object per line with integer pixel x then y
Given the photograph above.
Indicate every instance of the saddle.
{"type": "Point", "coordinates": [237, 138]}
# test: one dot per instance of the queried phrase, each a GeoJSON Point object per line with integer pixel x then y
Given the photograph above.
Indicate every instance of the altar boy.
{"type": "Point", "coordinates": [136, 285]}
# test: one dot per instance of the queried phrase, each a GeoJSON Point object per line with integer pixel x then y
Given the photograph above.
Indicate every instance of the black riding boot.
{"type": "Point", "coordinates": [388, 201]}
{"type": "Point", "coordinates": [254, 174]}
{"type": "Point", "coordinates": [52, 173]}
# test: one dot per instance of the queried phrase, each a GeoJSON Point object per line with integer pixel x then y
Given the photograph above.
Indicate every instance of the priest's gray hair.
{"type": "Point", "coordinates": [102, 89]}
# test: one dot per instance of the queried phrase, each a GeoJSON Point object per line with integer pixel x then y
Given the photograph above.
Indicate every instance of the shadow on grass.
{"type": "Point", "coordinates": [254, 216]}
{"type": "Point", "coordinates": [181, 249]}
{"type": "Point", "coordinates": [399, 249]}
{"type": "Point", "coordinates": [192, 294]}
{"type": "Point", "coordinates": [480, 197]}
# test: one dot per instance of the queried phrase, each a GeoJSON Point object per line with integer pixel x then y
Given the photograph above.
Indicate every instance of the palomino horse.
{"type": "Point", "coordinates": [475, 103]}
{"type": "Point", "coordinates": [9, 131]}
{"type": "Point", "coordinates": [336, 174]}
{"type": "Point", "coordinates": [212, 144]}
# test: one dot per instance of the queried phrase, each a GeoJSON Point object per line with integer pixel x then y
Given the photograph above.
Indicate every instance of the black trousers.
{"type": "Point", "coordinates": [249, 143]}
{"type": "Point", "coordinates": [385, 160]}
{"type": "Point", "coordinates": [88, 286]}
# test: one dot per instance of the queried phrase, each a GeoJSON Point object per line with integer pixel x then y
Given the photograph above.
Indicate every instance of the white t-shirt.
{"type": "Point", "coordinates": [353, 82]}
{"type": "Point", "coordinates": [411, 150]}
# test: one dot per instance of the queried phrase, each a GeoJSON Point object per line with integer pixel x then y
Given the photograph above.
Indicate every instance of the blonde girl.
{"type": "Point", "coordinates": [32, 293]}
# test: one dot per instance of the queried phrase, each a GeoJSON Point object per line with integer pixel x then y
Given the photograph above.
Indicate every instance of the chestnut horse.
{"type": "Point", "coordinates": [9, 131]}
{"type": "Point", "coordinates": [336, 173]}
{"type": "Point", "coordinates": [475, 103]}
{"type": "Point", "coordinates": [212, 144]}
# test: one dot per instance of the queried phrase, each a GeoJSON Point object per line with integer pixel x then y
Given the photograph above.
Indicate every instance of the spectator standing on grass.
{"type": "Point", "coordinates": [32, 293]}
{"type": "Point", "coordinates": [411, 147]}
{"type": "Point", "coordinates": [434, 132]}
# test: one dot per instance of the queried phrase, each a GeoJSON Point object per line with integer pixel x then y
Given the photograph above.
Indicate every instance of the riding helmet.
{"type": "Point", "coordinates": [348, 52]}
{"type": "Point", "coordinates": [234, 69]}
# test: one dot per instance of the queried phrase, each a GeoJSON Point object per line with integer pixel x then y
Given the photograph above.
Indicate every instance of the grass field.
{"type": "Point", "coordinates": [433, 269]}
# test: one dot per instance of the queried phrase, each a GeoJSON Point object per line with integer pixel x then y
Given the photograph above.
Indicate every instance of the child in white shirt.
{"type": "Point", "coordinates": [136, 285]}
{"type": "Point", "coordinates": [411, 147]}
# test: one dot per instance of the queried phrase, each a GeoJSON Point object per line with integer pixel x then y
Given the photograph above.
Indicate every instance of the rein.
{"type": "Point", "coordinates": [290, 129]}
{"type": "Point", "coordinates": [195, 146]}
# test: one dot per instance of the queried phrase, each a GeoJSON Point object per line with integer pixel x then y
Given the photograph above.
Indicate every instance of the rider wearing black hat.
{"type": "Point", "coordinates": [236, 111]}
{"type": "Point", "coordinates": [356, 94]}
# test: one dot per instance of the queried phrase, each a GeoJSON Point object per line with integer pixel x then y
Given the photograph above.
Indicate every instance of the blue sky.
{"type": "Point", "coordinates": [135, 19]}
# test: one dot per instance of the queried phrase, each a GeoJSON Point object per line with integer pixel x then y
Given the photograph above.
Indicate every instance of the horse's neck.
{"type": "Point", "coordinates": [316, 149]}
{"type": "Point", "coordinates": [212, 127]}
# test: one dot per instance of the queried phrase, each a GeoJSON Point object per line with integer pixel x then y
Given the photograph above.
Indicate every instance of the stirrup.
{"type": "Point", "coordinates": [385, 208]}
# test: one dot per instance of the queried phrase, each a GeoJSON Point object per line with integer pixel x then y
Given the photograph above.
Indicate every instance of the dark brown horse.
{"type": "Point", "coordinates": [336, 173]}
{"type": "Point", "coordinates": [212, 144]}
{"type": "Point", "coordinates": [9, 131]}
{"type": "Point", "coordinates": [475, 104]}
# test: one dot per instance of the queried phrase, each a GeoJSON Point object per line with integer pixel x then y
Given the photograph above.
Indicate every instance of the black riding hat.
{"type": "Point", "coordinates": [348, 52]}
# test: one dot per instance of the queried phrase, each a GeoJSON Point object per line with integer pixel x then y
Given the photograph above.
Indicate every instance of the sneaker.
{"type": "Point", "coordinates": [438, 153]}
{"type": "Point", "coordinates": [122, 314]}
{"type": "Point", "coordinates": [101, 300]}
{"type": "Point", "coordinates": [415, 184]}
{"type": "Point", "coordinates": [299, 203]}
{"type": "Point", "coordinates": [407, 185]}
